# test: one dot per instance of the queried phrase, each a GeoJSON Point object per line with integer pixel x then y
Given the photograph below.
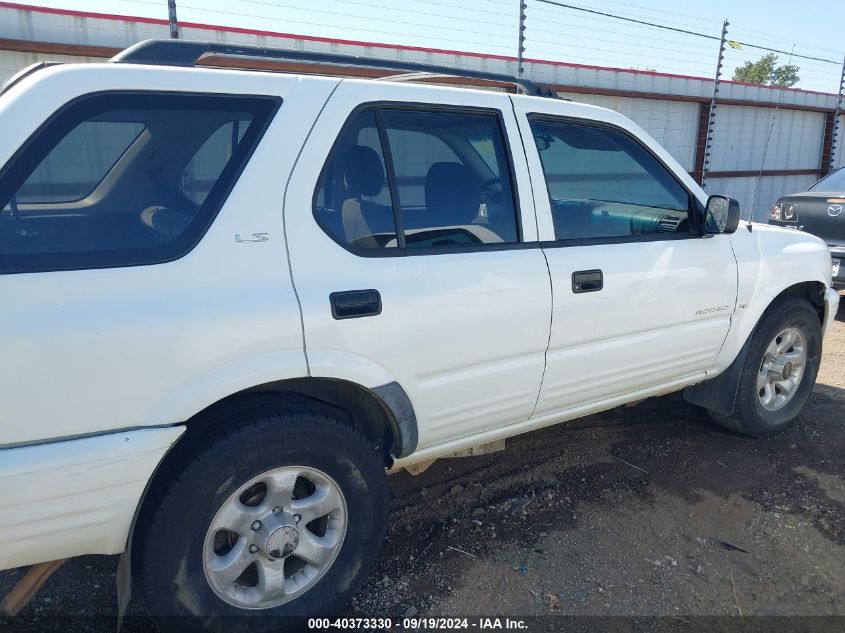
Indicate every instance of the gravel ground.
{"type": "Point", "coordinates": [648, 510]}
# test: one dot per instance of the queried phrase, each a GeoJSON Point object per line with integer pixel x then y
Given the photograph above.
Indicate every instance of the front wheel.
{"type": "Point", "coordinates": [779, 372]}
{"type": "Point", "coordinates": [278, 519]}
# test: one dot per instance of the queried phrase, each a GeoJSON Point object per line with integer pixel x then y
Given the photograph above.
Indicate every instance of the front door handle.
{"type": "Point", "coordinates": [587, 281]}
{"type": "Point", "coordinates": [354, 304]}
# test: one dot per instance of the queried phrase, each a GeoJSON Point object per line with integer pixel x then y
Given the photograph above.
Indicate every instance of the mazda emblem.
{"type": "Point", "coordinates": [834, 210]}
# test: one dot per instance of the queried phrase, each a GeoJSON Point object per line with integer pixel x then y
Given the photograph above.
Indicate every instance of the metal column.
{"type": "Point", "coordinates": [171, 16]}
{"type": "Point", "coordinates": [838, 111]}
{"type": "Point", "coordinates": [520, 49]}
{"type": "Point", "coordinates": [712, 112]}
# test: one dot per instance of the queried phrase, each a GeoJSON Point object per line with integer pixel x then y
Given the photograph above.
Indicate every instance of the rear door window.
{"type": "Point", "coordinates": [124, 179]}
{"type": "Point", "coordinates": [403, 179]}
{"type": "Point", "coordinates": [448, 194]}
{"type": "Point", "coordinates": [353, 202]}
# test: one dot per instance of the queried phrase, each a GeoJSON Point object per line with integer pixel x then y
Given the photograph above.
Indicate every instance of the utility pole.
{"type": "Point", "coordinates": [711, 119]}
{"type": "Point", "coordinates": [171, 15]}
{"type": "Point", "coordinates": [838, 111]}
{"type": "Point", "coordinates": [520, 49]}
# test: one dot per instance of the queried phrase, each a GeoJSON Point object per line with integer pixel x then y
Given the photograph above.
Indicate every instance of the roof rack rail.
{"type": "Point", "coordinates": [188, 53]}
{"type": "Point", "coordinates": [24, 73]}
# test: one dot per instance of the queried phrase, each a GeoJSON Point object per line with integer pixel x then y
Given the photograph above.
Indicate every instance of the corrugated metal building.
{"type": "Point", "coordinates": [672, 108]}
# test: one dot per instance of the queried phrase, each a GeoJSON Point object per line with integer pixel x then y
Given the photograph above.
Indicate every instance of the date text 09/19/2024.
{"type": "Point", "coordinates": [413, 624]}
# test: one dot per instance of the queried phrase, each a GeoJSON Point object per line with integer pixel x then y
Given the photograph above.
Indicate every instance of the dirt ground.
{"type": "Point", "coordinates": [648, 510]}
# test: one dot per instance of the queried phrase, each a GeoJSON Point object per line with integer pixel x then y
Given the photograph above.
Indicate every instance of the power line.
{"type": "Point", "coordinates": [612, 62]}
{"type": "Point", "coordinates": [352, 15]}
{"type": "Point", "coordinates": [641, 51]}
{"type": "Point", "coordinates": [414, 11]}
{"type": "Point", "coordinates": [620, 17]}
{"type": "Point", "coordinates": [640, 55]}
{"type": "Point", "coordinates": [323, 24]}
{"type": "Point", "coordinates": [677, 30]}
{"type": "Point", "coordinates": [791, 54]}
{"type": "Point", "coordinates": [683, 15]}
{"type": "Point", "coordinates": [649, 38]}
{"type": "Point", "coordinates": [775, 36]}
{"type": "Point", "coordinates": [634, 16]}
{"type": "Point", "coordinates": [575, 30]}
{"type": "Point", "coordinates": [418, 12]}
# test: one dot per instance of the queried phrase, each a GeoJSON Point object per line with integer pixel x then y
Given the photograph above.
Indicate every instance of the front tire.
{"type": "Point", "coordinates": [277, 519]}
{"type": "Point", "coordinates": [779, 372]}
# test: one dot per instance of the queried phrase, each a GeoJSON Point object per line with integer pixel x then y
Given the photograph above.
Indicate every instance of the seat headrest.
{"type": "Point", "coordinates": [363, 171]}
{"type": "Point", "coordinates": [451, 193]}
{"type": "Point", "coordinates": [168, 223]}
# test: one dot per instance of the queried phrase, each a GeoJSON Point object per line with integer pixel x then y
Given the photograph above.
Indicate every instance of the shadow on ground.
{"type": "Point", "coordinates": [649, 510]}
{"type": "Point", "coordinates": [634, 492]}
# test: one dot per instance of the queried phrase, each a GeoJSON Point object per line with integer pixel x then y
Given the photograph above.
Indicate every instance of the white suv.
{"type": "Point", "coordinates": [231, 300]}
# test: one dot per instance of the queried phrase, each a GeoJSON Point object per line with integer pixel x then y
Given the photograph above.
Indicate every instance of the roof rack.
{"type": "Point", "coordinates": [24, 73]}
{"type": "Point", "coordinates": [187, 53]}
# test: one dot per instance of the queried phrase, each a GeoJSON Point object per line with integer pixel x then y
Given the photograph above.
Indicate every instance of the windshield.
{"type": "Point", "coordinates": [831, 182]}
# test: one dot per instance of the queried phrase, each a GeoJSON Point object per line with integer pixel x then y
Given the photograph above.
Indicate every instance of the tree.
{"type": "Point", "coordinates": [786, 76]}
{"type": "Point", "coordinates": [766, 72]}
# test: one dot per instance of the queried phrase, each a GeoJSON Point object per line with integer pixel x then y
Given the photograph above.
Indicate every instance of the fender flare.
{"type": "Point", "coordinates": [398, 404]}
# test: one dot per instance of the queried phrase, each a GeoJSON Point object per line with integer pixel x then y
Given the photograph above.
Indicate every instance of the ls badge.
{"type": "Point", "coordinates": [256, 237]}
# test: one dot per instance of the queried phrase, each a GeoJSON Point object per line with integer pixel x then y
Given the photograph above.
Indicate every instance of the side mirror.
{"type": "Point", "coordinates": [721, 215]}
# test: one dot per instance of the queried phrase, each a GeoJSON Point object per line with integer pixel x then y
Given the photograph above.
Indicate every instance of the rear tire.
{"type": "Point", "coordinates": [788, 340]}
{"type": "Point", "coordinates": [317, 489]}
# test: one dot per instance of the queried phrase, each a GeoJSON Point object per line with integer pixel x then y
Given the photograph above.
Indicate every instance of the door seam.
{"type": "Point", "coordinates": [285, 228]}
{"type": "Point", "coordinates": [545, 259]}
{"type": "Point", "coordinates": [549, 340]}
{"type": "Point", "coordinates": [733, 314]}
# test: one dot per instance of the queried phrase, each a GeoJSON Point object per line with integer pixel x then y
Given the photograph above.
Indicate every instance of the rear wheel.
{"type": "Point", "coordinates": [779, 371]}
{"type": "Point", "coordinates": [281, 517]}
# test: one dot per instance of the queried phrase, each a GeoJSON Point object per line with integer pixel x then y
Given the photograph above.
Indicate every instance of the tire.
{"type": "Point", "coordinates": [309, 453]}
{"type": "Point", "coordinates": [750, 416]}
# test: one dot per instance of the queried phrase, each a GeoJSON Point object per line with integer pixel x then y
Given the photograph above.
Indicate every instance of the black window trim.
{"type": "Point", "coordinates": [213, 211]}
{"type": "Point", "coordinates": [390, 173]}
{"type": "Point", "coordinates": [401, 250]}
{"type": "Point", "coordinates": [695, 211]}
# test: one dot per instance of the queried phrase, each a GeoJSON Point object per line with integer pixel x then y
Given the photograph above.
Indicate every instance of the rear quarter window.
{"type": "Point", "coordinates": [208, 163]}
{"type": "Point", "coordinates": [124, 179]}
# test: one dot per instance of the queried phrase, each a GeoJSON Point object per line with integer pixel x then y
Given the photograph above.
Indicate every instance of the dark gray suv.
{"type": "Point", "coordinates": [821, 211]}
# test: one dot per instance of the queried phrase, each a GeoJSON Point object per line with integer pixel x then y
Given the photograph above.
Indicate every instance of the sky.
{"type": "Point", "coordinates": [812, 28]}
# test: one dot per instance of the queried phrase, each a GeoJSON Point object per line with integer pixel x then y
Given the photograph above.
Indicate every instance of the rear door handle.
{"type": "Point", "coordinates": [587, 281]}
{"type": "Point", "coordinates": [354, 304]}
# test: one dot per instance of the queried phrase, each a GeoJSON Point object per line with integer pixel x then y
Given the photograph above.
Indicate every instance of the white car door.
{"type": "Point", "coordinates": [455, 304]}
{"type": "Point", "coordinates": [642, 301]}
